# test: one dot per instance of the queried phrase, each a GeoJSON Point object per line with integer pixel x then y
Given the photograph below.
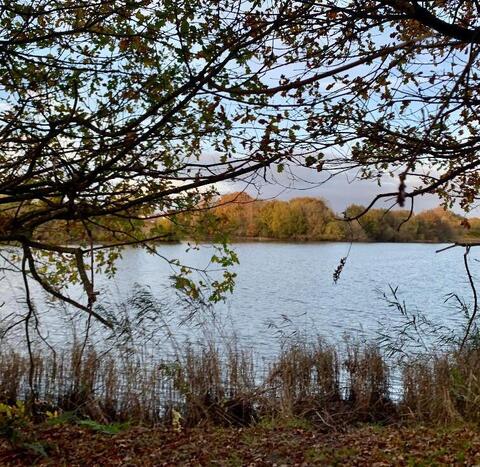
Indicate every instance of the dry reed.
{"type": "Point", "coordinates": [228, 387]}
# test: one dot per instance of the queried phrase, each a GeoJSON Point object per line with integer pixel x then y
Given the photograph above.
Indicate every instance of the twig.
{"type": "Point", "coordinates": [30, 313]}
{"type": "Point", "coordinates": [475, 298]}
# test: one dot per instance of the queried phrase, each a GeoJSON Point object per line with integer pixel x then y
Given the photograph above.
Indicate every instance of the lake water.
{"type": "Point", "coordinates": [286, 288]}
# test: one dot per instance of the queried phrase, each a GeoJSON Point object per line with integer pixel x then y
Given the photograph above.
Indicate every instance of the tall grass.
{"type": "Point", "coordinates": [228, 387]}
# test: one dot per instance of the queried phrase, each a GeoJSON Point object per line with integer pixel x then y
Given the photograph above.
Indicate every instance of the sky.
{"type": "Point", "coordinates": [339, 192]}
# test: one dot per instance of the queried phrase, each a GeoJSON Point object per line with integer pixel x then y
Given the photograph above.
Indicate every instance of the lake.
{"type": "Point", "coordinates": [282, 289]}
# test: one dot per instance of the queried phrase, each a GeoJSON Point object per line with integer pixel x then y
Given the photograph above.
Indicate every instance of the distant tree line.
{"type": "Point", "coordinates": [240, 216]}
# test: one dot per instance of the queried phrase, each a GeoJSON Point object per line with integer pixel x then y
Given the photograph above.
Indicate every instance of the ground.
{"type": "Point", "coordinates": [279, 444]}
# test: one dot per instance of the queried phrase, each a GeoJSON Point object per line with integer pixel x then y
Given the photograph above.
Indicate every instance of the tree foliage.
{"type": "Point", "coordinates": [115, 111]}
{"type": "Point", "coordinates": [240, 216]}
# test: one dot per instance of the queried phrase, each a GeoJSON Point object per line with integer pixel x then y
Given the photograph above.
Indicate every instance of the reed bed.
{"type": "Point", "coordinates": [208, 384]}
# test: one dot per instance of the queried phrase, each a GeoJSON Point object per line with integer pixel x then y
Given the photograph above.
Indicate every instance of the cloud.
{"type": "Point", "coordinates": [339, 191]}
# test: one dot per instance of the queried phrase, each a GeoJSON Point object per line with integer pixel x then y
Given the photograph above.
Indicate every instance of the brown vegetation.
{"type": "Point", "coordinates": [208, 408]}
{"type": "Point", "coordinates": [310, 219]}
{"type": "Point", "coordinates": [314, 381]}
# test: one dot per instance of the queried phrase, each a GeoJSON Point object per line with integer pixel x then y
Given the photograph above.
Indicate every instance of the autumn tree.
{"type": "Point", "coordinates": [114, 112]}
{"type": "Point", "coordinates": [111, 114]}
